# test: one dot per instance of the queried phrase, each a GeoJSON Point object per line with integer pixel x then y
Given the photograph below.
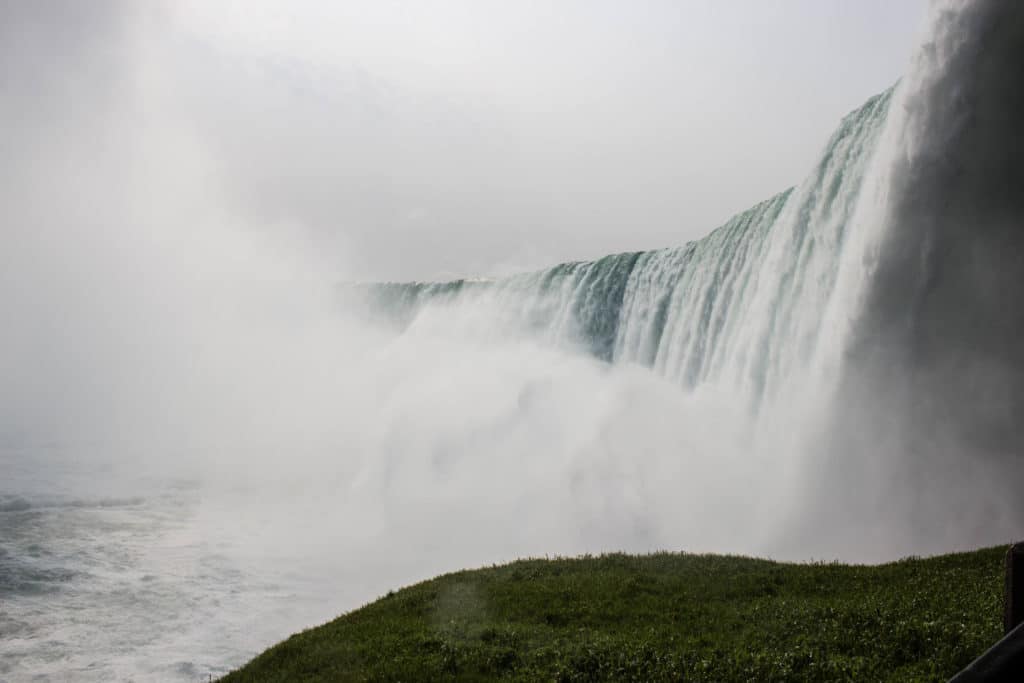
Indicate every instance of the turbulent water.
{"type": "Point", "coordinates": [835, 372]}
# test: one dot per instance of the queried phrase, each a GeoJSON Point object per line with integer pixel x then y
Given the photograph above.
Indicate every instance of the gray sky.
{"type": "Point", "coordinates": [407, 140]}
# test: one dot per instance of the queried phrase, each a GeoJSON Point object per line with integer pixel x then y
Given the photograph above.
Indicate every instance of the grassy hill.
{"type": "Point", "coordinates": [662, 617]}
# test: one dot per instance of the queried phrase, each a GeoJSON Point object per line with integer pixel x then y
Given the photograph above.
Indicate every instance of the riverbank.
{"type": "Point", "coordinates": [665, 616]}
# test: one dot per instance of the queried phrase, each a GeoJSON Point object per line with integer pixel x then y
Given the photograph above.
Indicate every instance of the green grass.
{"type": "Point", "coordinates": [662, 617]}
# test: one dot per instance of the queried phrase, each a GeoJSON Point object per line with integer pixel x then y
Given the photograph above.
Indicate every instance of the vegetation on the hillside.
{"type": "Point", "coordinates": [662, 617]}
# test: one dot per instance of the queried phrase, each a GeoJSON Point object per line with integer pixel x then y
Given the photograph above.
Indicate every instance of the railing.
{"type": "Point", "coordinates": [1013, 595]}
{"type": "Point", "coordinates": [1004, 661]}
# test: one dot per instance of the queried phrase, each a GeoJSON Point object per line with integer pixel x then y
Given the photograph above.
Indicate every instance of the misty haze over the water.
{"type": "Point", "coordinates": [210, 437]}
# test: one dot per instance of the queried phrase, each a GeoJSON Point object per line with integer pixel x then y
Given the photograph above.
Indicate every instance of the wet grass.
{"type": "Point", "coordinates": [662, 617]}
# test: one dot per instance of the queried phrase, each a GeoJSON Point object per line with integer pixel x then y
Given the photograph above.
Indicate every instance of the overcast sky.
{"type": "Point", "coordinates": [416, 140]}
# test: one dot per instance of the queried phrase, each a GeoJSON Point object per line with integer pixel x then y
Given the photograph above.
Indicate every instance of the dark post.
{"type": "Point", "coordinates": [1013, 597]}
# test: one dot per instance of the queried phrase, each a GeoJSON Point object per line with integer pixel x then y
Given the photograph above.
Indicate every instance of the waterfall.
{"type": "Point", "coordinates": [743, 305]}
{"type": "Point", "coordinates": [868, 321]}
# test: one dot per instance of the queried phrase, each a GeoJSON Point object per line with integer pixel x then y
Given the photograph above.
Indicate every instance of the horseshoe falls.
{"type": "Point", "coordinates": [862, 328]}
{"type": "Point", "coordinates": [743, 307]}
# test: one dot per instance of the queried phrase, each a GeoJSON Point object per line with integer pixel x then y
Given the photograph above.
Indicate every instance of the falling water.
{"type": "Point", "coordinates": [742, 306]}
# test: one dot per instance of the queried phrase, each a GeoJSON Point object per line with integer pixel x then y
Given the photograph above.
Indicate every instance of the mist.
{"type": "Point", "coordinates": [164, 309]}
{"type": "Point", "coordinates": [176, 366]}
